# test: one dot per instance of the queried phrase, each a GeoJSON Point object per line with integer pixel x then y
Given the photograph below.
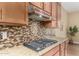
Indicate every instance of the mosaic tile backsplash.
{"type": "Point", "coordinates": [18, 35]}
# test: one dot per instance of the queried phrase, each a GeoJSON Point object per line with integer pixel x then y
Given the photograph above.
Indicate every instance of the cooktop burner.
{"type": "Point", "coordinates": [40, 44]}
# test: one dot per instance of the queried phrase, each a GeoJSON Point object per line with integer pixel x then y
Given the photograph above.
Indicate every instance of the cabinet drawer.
{"type": "Point", "coordinates": [63, 46]}
{"type": "Point", "coordinates": [57, 54]}
{"type": "Point", "coordinates": [62, 52]}
{"type": "Point", "coordinates": [52, 51]}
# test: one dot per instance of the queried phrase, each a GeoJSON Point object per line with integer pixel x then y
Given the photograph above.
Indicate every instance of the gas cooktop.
{"type": "Point", "coordinates": [40, 44]}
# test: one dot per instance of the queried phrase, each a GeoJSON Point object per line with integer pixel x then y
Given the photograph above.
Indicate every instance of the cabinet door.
{"type": "Point", "coordinates": [58, 11]}
{"type": "Point", "coordinates": [63, 49]}
{"type": "Point", "coordinates": [14, 12]}
{"type": "Point", "coordinates": [0, 14]}
{"type": "Point", "coordinates": [38, 4]}
{"type": "Point", "coordinates": [56, 14]}
{"type": "Point", "coordinates": [0, 11]}
{"type": "Point", "coordinates": [52, 52]}
{"type": "Point", "coordinates": [47, 7]}
{"type": "Point", "coordinates": [54, 10]}
{"type": "Point", "coordinates": [57, 54]}
{"type": "Point", "coordinates": [66, 47]}
{"type": "Point", "coordinates": [26, 14]}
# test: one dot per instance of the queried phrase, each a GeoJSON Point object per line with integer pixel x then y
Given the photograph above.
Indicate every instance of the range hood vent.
{"type": "Point", "coordinates": [38, 14]}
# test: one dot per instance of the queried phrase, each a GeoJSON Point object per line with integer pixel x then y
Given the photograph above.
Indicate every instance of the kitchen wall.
{"type": "Point", "coordinates": [74, 20]}
{"type": "Point", "coordinates": [18, 35]}
{"type": "Point", "coordinates": [61, 31]}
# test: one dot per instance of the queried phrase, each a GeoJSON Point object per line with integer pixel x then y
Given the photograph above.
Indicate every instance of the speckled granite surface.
{"type": "Point", "coordinates": [24, 51]}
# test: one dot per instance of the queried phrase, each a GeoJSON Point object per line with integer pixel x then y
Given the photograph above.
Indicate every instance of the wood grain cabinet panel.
{"type": "Point", "coordinates": [66, 47]}
{"type": "Point", "coordinates": [54, 10]}
{"type": "Point", "coordinates": [58, 11]}
{"type": "Point", "coordinates": [53, 24]}
{"type": "Point", "coordinates": [0, 11]}
{"type": "Point", "coordinates": [52, 52]}
{"type": "Point", "coordinates": [38, 4]}
{"type": "Point", "coordinates": [57, 54]}
{"type": "Point", "coordinates": [47, 7]}
{"type": "Point", "coordinates": [62, 49]}
{"type": "Point", "coordinates": [26, 14]}
{"type": "Point", "coordinates": [0, 14]}
{"type": "Point", "coordinates": [56, 15]}
{"type": "Point", "coordinates": [14, 13]}
{"type": "Point", "coordinates": [54, 21]}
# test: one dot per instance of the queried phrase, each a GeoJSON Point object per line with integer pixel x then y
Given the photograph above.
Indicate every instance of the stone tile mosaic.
{"type": "Point", "coordinates": [18, 35]}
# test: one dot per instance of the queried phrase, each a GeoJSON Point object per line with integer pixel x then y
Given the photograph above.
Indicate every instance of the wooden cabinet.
{"type": "Point", "coordinates": [66, 47]}
{"type": "Point", "coordinates": [60, 50]}
{"type": "Point", "coordinates": [54, 11]}
{"type": "Point", "coordinates": [37, 4]}
{"type": "Point", "coordinates": [57, 54]}
{"type": "Point", "coordinates": [14, 13]}
{"type": "Point", "coordinates": [52, 52]}
{"type": "Point", "coordinates": [56, 15]}
{"type": "Point", "coordinates": [48, 7]}
{"type": "Point", "coordinates": [0, 11]}
{"type": "Point", "coordinates": [0, 14]}
{"type": "Point", "coordinates": [53, 23]}
{"type": "Point", "coordinates": [17, 12]}
{"type": "Point", "coordinates": [58, 11]}
{"type": "Point", "coordinates": [63, 48]}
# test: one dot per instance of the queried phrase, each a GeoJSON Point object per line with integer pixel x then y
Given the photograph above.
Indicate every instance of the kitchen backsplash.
{"type": "Point", "coordinates": [19, 35]}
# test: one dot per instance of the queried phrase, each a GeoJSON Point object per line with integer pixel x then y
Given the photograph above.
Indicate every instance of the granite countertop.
{"type": "Point", "coordinates": [24, 51]}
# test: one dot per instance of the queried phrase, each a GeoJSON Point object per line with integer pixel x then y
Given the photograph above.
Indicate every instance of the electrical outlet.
{"type": "Point", "coordinates": [4, 35]}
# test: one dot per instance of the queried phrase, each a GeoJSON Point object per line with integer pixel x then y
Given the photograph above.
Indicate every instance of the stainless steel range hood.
{"type": "Point", "coordinates": [38, 14]}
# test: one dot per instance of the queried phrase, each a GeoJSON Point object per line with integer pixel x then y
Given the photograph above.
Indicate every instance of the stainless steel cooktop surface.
{"type": "Point", "coordinates": [40, 44]}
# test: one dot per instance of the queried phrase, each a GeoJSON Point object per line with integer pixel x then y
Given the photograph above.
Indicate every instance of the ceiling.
{"type": "Point", "coordinates": [71, 6]}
